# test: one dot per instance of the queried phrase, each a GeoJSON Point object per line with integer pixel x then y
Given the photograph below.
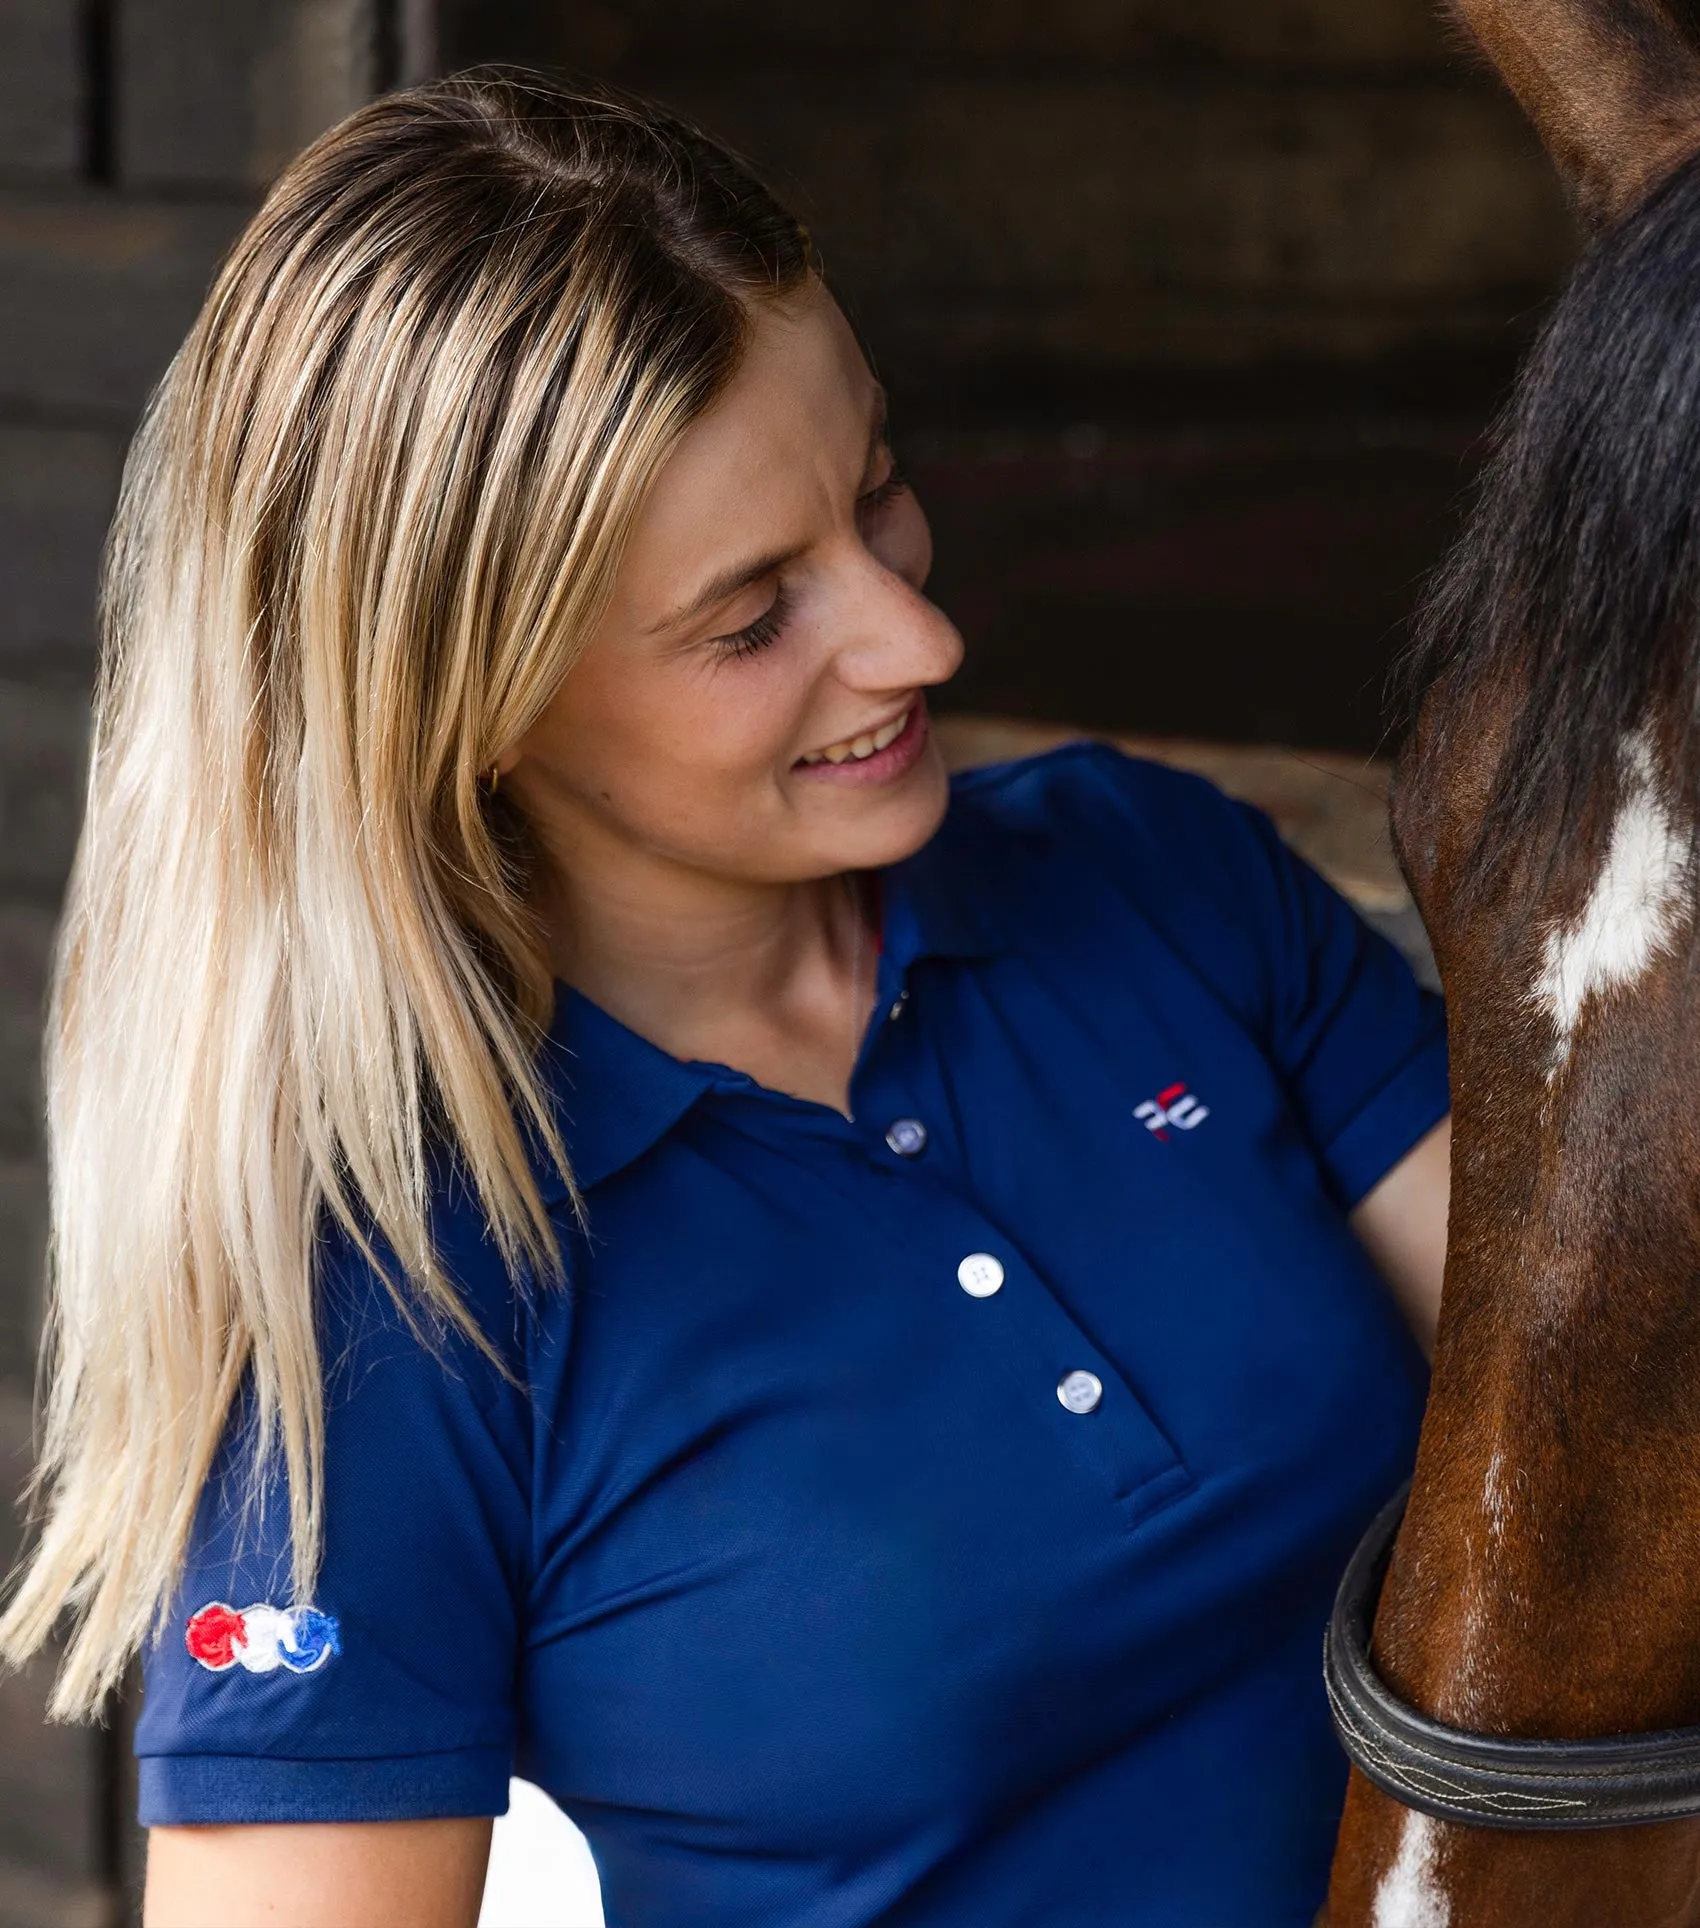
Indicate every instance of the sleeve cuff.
{"type": "Point", "coordinates": [1404, 1110]}
{"type": "Point", "coordinates": [184, 1789]}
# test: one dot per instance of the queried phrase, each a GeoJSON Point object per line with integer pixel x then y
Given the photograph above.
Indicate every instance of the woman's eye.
{"type": "Point", "coordinates": [766, 629]}
{"type": "Point", "coordinates": [896, 483]}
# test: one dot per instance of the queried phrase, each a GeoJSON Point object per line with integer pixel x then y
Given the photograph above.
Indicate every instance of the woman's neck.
{"type": "Point", "coordinates": [776, 980]}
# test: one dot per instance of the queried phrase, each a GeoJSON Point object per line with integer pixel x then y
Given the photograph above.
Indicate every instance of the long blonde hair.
{"type": "Point", "coordinates": [371, 515]}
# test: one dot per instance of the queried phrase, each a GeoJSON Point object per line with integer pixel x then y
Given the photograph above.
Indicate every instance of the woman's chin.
{"type": "Point", "coordinates": [868, 828]}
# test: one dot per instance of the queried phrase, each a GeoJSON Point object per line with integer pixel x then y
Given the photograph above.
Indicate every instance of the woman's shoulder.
{"type": "Point", "coordinates": [1119, 877]}
{"type": "Point", "coordinates": [1096, 863]}
{"type": "Point", "coordinates": [1088, 816]}
{"type": "Point", "coordinates": [1065, 770]}
{"type": "Point", "coordinates": [378, 1315]}
{"type": "Point", "coordinates": [1091, 793]}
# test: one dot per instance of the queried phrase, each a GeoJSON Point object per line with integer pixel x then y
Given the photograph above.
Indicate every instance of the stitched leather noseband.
{"type": "Point", "coordinates": [1484, 1780]}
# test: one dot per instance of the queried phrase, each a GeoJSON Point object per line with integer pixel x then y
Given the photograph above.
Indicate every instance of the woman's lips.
{"type": "Point", "coordinates": [897, 758]}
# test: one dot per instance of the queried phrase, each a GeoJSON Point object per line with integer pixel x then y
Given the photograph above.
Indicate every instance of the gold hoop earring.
{"type": "Point", "coordinates": [495, 777]}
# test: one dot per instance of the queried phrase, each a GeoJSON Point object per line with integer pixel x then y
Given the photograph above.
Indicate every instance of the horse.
{"type": "Point", "coordinates": [1543, 1591]}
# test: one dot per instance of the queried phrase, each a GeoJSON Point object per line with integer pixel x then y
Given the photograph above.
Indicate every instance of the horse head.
{"type": "Point", "coordinates": [1545, 1584]}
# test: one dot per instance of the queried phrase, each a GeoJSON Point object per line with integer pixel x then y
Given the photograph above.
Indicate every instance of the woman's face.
{"type": "Point", "coordinates": [751, 704]}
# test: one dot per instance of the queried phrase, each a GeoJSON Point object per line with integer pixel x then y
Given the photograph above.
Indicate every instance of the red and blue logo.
{"type": "Point", "coordinates": [1175, 1108]}
{"type": "Point", "coordinates": [261, 1639]}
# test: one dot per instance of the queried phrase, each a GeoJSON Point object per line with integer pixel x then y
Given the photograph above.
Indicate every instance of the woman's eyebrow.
{"type": "Point", "coordinates": [727, 583]}
{"type": "Point", "coordinates": [740, 575]}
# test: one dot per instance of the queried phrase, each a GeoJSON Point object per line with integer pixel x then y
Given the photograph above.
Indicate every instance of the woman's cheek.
{"type": "Point", "coordinates": [751, 720]}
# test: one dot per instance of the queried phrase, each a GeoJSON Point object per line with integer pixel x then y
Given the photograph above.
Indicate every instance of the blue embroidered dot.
{"type": "Point", "coordinates": [310, 1640]}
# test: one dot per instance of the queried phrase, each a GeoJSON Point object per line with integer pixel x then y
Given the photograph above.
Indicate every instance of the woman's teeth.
{"type": "Point", "coordinates": [858, 748]}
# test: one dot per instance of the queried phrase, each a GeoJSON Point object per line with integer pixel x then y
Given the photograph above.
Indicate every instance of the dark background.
{"type": "Point", "coordinates": [1193, 313]}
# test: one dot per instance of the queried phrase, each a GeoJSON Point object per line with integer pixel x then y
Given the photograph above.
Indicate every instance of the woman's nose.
{"type": "Point", "coordinates": [894, 637]}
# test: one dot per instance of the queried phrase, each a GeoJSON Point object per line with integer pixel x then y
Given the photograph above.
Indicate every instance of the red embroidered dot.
{"type": "Point", "coordinates": [213, 1635]}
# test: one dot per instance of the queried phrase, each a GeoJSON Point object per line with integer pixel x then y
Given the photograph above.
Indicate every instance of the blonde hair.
{"type": "Point", "coordinates": [372, 513]}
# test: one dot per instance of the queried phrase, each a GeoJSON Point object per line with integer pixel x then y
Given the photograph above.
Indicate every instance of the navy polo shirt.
{"type": "Point", "coordinates": [928, 1518]}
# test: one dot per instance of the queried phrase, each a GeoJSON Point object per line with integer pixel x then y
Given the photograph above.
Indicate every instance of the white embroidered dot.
{"type": "Point", "coordinates": [261, 1651]}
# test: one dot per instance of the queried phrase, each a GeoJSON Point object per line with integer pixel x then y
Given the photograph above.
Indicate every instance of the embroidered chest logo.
{"type": "Point", "coordinates": [1174, 1106]}
{"type": "Point", "coordinates": [261, 1639]}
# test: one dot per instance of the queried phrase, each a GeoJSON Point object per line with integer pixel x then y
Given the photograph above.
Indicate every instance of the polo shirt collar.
{"type": "Point", "coordinates": [944, 901]}
{"type": "Point", "coordinates": [617, 1094]}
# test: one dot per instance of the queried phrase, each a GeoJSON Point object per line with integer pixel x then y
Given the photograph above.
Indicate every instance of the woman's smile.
{"type": "Point", "coordinates": [881, 755]}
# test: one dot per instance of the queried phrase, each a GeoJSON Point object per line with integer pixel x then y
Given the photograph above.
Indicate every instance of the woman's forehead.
{"type": "Point", "coordinates": [757, 469]}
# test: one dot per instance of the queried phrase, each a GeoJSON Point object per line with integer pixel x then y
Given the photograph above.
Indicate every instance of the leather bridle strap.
{"type": "Point", "coordinates": [1484, 1780]}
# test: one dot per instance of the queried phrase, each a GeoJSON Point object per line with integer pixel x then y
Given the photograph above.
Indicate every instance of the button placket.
{"type": "Point", "coordinates": [1042, 1352]}
{"type": "Point", "coordinates": [884, 1087]}
{"type": "Point", "coordinates": [1028, 1335]}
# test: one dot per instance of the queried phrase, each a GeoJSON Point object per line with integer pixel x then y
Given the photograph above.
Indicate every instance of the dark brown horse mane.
{"type": "Point", "coordinates": [1574, 591]}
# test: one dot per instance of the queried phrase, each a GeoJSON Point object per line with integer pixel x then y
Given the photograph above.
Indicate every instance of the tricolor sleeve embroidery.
{"type": "Point", "coordinates": [261, 1639]}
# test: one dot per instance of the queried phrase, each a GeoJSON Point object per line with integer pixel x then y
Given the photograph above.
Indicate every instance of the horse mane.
{"type": "Point", "coordinates": [1576, 579]}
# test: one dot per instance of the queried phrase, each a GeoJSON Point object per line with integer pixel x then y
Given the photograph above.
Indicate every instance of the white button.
{"type": "Point", "coordinates": [979, 1275]}
{"type": "Point", "coordinates": [1080, 1391]}
{"type": "Point", "coordinates": [896, 1010]}
{"type": "Point", "coordinates": [907, 1137]}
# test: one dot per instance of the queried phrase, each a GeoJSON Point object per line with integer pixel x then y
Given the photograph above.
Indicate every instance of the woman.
{"type": "Point", "coordinates": [515, 832]}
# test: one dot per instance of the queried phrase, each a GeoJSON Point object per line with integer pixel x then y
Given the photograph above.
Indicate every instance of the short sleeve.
{"type": "Point", "coordinates": [391, 1694]}
{"type": "Point", "coordinates": [1358, 1043]}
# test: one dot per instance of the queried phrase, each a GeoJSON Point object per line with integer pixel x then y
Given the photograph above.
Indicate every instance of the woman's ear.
{"type": "Point", "coordinates": [1612, 86]}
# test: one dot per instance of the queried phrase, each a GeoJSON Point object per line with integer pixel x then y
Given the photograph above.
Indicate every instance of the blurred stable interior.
{"type": "Point", "coordinates": [1192, 312]}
